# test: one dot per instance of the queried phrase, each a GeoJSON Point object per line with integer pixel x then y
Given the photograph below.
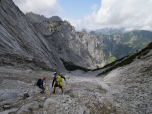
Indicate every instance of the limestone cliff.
{"type": "Point", "coordinates": [80, 48]}
{"type": "Point", "coordinates": [41, 43]}
{"type": "Point", "coordinates": [21, 44]}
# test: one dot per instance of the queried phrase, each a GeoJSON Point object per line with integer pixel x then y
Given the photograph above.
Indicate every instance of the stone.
{"type": "Point", "coordinates": [81, 110]}
{"type": "Point", "coordinates": [6, 107]}
{"type": "Point", "coordinates": [78, 100]}
{"type": "Point", "coordinates": [66, 108]}
{"type": "Point", "coordinates": [70, 101]}
{"type": "Point", "coordinates": [100, 101]}
{"type": "Point", "coordinates": [44, 112]}
{"type": "Point", "coordinates": [63, 101]}
{"type": "Point", "coordinates": [43, 98]}
{"type": "Point", "coordinates": [12, 111]}
{"type": "Point", "coordinates": [33, 83]}
{"type": "Point", "coordinates": [41, 105]}
{"type": "Point", "coordinates": [67, 96]}
{"type": "Point", "coordinates": [25, 95]}
{"type": "Point", "coordinates": [24, 108]}
{"type": "Point", "coordinates": [29, 71]}
{"type": "Point", "coordinates": [34, 105]}
{"type": "Point", "coordinates": [109, 108]}
{"type": "Point", "coordinates": [49, 101]}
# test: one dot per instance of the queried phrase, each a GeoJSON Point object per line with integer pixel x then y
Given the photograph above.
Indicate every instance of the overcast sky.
{"type": "Point", "coordinates": [94, 14]}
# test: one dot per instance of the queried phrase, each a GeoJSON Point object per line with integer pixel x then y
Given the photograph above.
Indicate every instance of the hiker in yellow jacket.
{"type": "Point", "coordinates": [58, 81]}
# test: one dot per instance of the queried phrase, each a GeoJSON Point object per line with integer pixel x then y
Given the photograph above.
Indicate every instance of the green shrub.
{"type": "Point", "coordinates": [111, 59]}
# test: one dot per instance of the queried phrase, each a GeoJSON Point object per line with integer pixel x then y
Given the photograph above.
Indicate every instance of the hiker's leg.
{"type": "Point", "coordinates": [54, 89]}
{"type": "Point", "coordinates": [61, 89]}
{"type": "Point", "coordinates": [43, 89]}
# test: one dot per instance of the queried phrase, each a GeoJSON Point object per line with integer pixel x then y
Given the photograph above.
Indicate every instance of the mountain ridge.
{"type": "Point", "coordinates": [117, 45]}
{"type": "Point", "coordinates": [39, 18]}
{"type": "Point", "coordinates": [81, 47]}
{"type": "Point", "coordinates": [110, 31]}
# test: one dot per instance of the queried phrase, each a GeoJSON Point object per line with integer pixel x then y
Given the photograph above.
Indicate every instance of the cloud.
{"type": "Point", "coordinates": [46, 8]}
{"type": "Point", "coordinates": [94, 7]}
{"type": "Point", "coordinates": [76, 23]}
{"type": "Point", "coordinates": [124, 11]}
{"type": "Point", "coordinates": [131, 14]}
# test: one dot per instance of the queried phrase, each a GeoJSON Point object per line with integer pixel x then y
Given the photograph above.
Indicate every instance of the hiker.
{"type": "Point", "coordinates": [58, 81]}
{"type": "Point", "coordinates": [40, 84]}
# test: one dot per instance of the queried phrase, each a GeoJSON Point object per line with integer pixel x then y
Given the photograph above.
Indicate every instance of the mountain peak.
{"type": "Point", "coordinates": [55, 18]}
{"type": "Point", "coordinates": [35, 17]}
{"type": "Point", "coordinates": [84, 30]}
{"type": "Point", "coordinates": [39, 18]}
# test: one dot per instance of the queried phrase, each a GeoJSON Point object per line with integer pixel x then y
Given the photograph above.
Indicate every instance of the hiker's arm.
{"type": "Point", "coordinates": [63, 77]}
{"type": "Point", "coordinates": [53, 81]}
{"type": "Point", "coordinates": [42, 87]}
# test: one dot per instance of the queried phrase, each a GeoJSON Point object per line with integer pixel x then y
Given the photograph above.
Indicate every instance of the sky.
{"type": "Point", "coordinates": [94, 14]}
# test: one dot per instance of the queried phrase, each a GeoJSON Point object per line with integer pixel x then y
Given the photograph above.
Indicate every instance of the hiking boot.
{"type": "Point", "coordinates": [41, 92]}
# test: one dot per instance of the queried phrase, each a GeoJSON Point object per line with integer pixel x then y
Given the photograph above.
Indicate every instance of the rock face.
{"type": "Point", "coordinates": [21, 44]}
{"type": "Point", "coordinates": [80, 48]}
{"type": "Point", "coordinates": [42, 43]}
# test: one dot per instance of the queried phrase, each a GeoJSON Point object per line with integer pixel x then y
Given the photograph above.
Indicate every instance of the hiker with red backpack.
{"type": "Point", "coordinates": [58, 81]}
{"type": "Point", "coordinates": [40, 84]}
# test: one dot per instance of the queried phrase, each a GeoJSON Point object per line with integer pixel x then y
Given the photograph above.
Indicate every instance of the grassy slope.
{"type": "Point", "coordinates": [129, 43]}
{"type": "Point", "coordinates": [128, 60]}
{"type": "Point", "coordinates": [111, 59]}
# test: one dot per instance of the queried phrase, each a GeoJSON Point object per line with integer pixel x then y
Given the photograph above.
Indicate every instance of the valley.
{"type": "Point", "coordinates": [106, 73]}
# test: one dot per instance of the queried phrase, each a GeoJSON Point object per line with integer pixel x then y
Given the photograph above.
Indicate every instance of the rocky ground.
{"type": "Point", "coordinates": [126, 90]}
{"type": "Point", "coordinates": [82, 94]}
{"type": "Point", "coordinates": [130, 86]}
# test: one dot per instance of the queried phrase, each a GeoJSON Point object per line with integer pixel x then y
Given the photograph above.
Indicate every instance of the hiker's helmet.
{"type": "Point", "coordinates": [55, 73]}
{"type": "Point", "coordinates": [44, 78]}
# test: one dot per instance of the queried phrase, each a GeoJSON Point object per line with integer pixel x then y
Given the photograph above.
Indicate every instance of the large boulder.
{"type": "Point", "coordinates": [49, 101]}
